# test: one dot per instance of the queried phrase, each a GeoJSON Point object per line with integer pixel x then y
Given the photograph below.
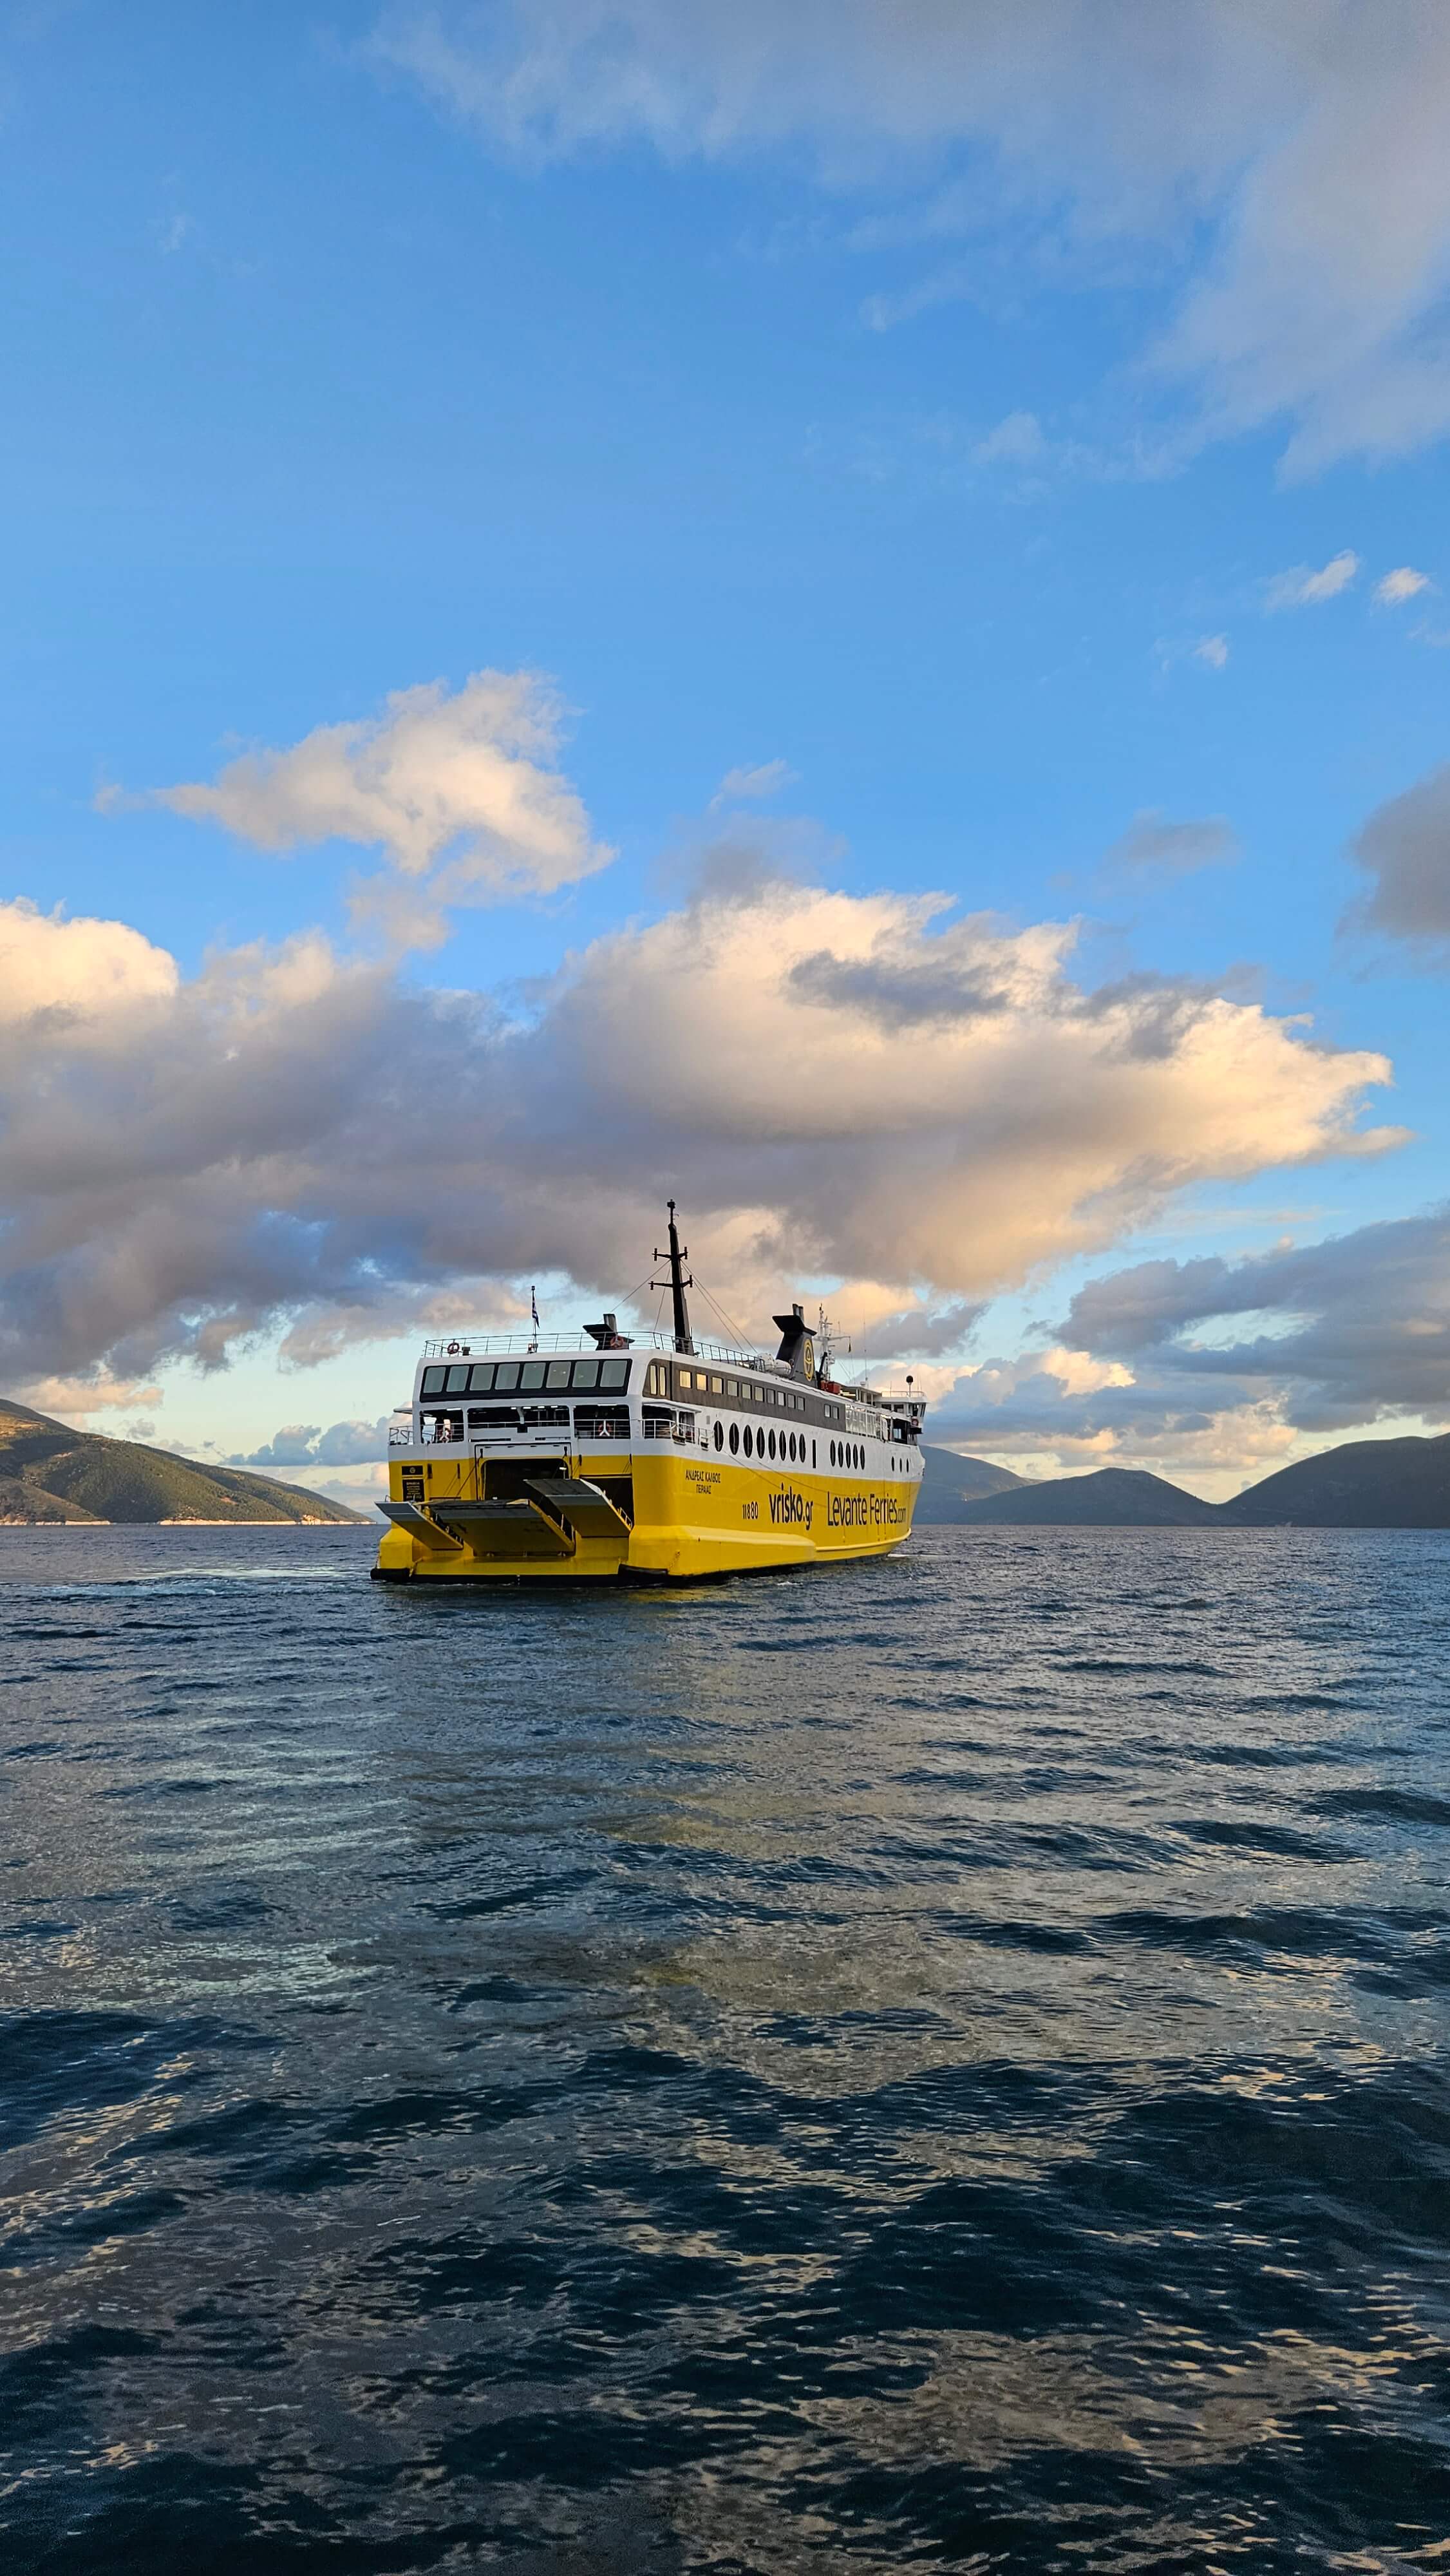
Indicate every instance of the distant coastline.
{"type": "Point", "coordinates": [55, 1477]}
{"type": "Point", "coordinates": [1363, 1484]}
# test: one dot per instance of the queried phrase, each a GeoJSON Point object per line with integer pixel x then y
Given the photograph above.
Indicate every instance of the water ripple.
{"type": "Point", "coordinates": [935, 2064]}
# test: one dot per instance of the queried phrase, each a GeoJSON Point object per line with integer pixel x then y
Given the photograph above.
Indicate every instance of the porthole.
{"type": "Point", "coordinates": [719, 1435]}
{"type": "Point", "coordinates": [749, 1440]}
{"type": "Point", "coordinates": [771, 1436]}
{"type": "Point", "coordinates": [734, 1438]}
{"type": "Point", "coordinates": [833, 1453]}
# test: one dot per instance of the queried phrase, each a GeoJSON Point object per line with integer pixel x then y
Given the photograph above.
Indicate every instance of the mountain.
{"type": "Point", "coordinates": [1112, 1498]}
{"type": "Point", "coordinates": [951, 1482]}
{"type": "Point", "coordinates": [50, 1473]}
{"type": "Point", "coordinates": [1364, 1484]}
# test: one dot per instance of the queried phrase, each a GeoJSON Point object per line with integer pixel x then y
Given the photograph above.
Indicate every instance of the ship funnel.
{"type": "Point", "coordinates": [796, 1346]}
{"type": "Point", "coordinates": [607, 1336]}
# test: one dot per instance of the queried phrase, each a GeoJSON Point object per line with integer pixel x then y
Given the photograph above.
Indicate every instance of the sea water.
{"type": "Point", "coordinates": [935, 2063]}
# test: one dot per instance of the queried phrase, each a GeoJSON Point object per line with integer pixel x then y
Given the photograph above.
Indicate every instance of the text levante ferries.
{"type": "Point", "coordinates": [649, 1459]}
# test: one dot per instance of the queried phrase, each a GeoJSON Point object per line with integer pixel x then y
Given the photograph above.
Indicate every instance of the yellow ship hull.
{"type": "Point", "coordinates": [665, 1518]}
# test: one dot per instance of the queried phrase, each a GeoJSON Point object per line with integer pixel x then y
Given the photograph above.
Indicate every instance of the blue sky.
{"type": "Point", "coordinates": [929, 417]}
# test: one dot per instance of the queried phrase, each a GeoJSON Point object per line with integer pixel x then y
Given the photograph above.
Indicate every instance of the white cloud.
{"type": "Point", "coordinates": [739, 785]}
{"type": "Point", "coordinates": [1287, 168]}
{"type": "Point", "coordinates": [73, 1399]}
{"type": "Point", "coordinates": [839, 1086]}
{"type": "Point", "coordinates": [1302, 587]}
{"type": "Point", "coordinates": [1402, 584]}
{"type": "Point", "coordinates": [306, 1444]}
{"type": "Point", "coordinates": [460, 791]}
{"type": "Point", "coordinates": [1212, 650]}
{"type": "Point", "coordinates": [75, 974]}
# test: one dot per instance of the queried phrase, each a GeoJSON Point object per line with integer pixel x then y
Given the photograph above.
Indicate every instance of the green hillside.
{"type": "Point", "coordinates": [50, 1473]}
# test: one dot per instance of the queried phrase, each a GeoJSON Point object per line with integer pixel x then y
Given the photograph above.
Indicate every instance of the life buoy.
{"type": "Point", "coordinates": [452, 1348]}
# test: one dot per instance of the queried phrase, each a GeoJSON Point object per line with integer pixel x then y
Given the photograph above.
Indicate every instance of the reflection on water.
{"type": "Point", "coordinates": [933, 2063]}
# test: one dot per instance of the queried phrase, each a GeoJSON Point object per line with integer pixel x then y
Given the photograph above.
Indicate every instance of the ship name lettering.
{"type": "Point", "coordinates": [865, 1511]}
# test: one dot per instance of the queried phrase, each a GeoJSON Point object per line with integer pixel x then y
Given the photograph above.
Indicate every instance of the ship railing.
{"type": "Point", "coordinates": [486, 1346]}
{"type": "Point", "coordinates": [401, 1434]}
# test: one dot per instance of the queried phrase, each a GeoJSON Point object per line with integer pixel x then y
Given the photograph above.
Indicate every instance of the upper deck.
{"type": "Point", "coordinates": [491, 1390]}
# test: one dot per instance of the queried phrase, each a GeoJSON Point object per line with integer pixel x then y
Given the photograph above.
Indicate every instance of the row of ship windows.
{"type": "Point", "coordinates": [524, 1377]}
{"type": "Point", "coordinates": [611, 1422]}
{"type": "Point", "coordinates": [728, 1390]}
{"type": "Point", "coordinates": [789, 1445]}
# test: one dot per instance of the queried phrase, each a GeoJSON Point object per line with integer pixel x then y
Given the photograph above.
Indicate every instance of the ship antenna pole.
{"type": "Point", "coordinates": [678, 1283]}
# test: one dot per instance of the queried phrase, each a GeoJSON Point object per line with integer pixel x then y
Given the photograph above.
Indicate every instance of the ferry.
{"type": "Point", "coordinates": [651, 1458]}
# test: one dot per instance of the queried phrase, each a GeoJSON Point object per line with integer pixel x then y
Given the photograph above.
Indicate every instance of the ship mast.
{"type": "Point", "coordinates": [678, 1283]}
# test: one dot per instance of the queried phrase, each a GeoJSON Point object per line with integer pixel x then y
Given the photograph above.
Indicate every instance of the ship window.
{"type": "Point", "coordinates": [531, 1375]}
{"type": "Point", "coordinates": [719, 1435]}
{"type": "Point", "coordinates": [734, 1438]}
{"type": "Point", "coordinates": [457, 1382]}
{"type": "Point", "coordinates": [506, 1377]}
{"type": "Point", "coordinates": [614, 1373]}
{"type": "Point", "coordinates": [833, 1453]}
{"type": "Point", "coordinates": [586, 1373]}
{"type": "Point", "coordinates": [717, 1386]}
{"type": "Point", "coordinates": [601, 1421]}
{"type": "Point", "coordinates": [749, 1441]}
{"type": "Point", "coordinates": [480, 1378]}
{"type": "Point", "coordinates": [557, 1373]}
{"type": "Point", "coordinates": [795, 1450]}
{"type": "Point", "coordinates": [433, 1381]}
{"type": "Point", "coordinates": [813, 1453]}
{"type": "Point", "coordinates": [687, 1377]}
{"type": "Point", "coordinates": [771, 1437]}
